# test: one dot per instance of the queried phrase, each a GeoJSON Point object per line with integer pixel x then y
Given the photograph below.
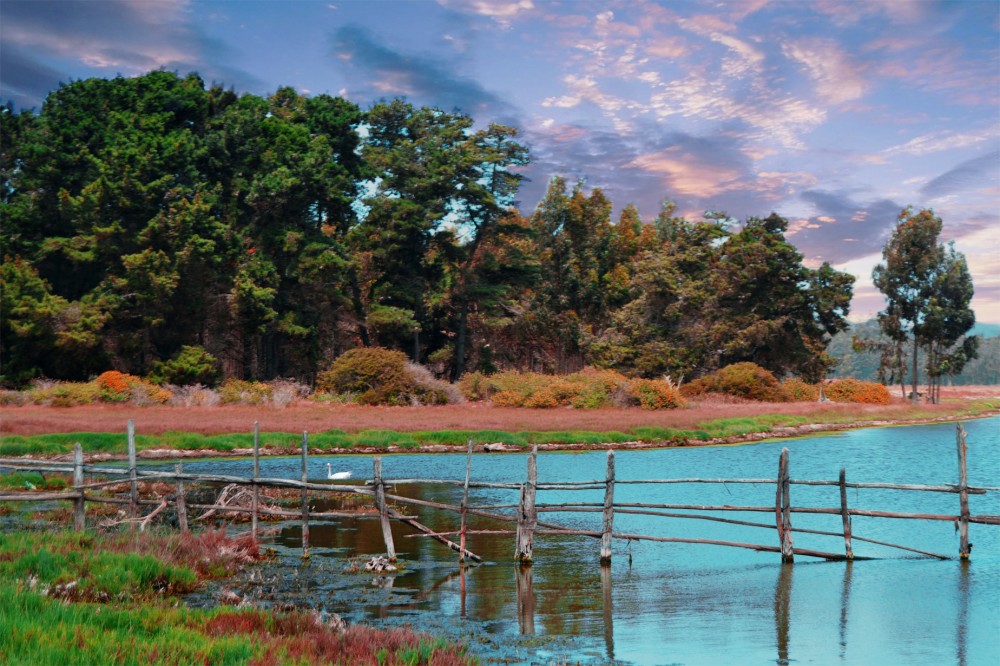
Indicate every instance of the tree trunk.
{"type": "Point", "coordinates": [913, 395]}
{"type": "Point", "coordinates": [463, 320]}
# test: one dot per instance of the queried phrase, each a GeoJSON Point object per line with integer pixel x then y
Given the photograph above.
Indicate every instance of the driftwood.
{"type": "Point", "coordinates": [434, 535]}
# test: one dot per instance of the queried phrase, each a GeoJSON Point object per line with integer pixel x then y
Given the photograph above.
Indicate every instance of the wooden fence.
{"type": "Point", "coordinates": [525, 513]}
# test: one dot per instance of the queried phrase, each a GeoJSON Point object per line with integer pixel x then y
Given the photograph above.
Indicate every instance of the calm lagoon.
{"type": "Point", "coordinates": [666, 603]}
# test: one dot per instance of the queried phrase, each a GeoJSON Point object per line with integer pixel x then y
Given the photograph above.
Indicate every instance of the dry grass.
{"type": "Point", "coordinates": [221, 419]}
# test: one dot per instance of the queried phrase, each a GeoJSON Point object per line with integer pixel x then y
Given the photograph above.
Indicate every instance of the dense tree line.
{"type": "Point", "coordinates": [143, 216]}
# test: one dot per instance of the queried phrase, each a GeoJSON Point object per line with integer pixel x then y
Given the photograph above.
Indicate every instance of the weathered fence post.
{"type": "Point", "coordinates": [465, 509]}
{"type": "Point", "coordinates": [845, 514]}
{"type": "Point", "coordinates": [182, 514]}
{"type": "Point", "coordinates": [609, 509]}
{"type": "Point", "coordinates": [256, 474]}
{"type": "Point", "coordinates": [80, 503]}
{"type": "Point", "coordinates": [782, 509]}
{"type": "Point", "coordinates": [963, 495]}
{"type": "Point", "coordinates": [133, 495]}
{"type": "Point", "coordinates": [527, 517]}
{"type": "Point", "coordinates": [383, 512]}
{"type": "Point", "coordinates": [305, 495]}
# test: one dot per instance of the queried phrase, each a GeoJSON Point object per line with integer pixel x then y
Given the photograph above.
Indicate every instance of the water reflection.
{"type": "Point", "coordinates": [684, 603]}
{"type": "Point", "coordinates": [782, 607]}
{"type": "Point", "coordinates": [609, 626]}
{"type": "Point", "coordinates": [961, 640]}
{"type": "Point", "coordinates": [525, 599]}
{"type": "Point", "coordinates": [845, 601]}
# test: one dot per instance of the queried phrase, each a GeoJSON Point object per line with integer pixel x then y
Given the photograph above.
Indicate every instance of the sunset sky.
{"type": "Point", "coordinates": [835, 114]}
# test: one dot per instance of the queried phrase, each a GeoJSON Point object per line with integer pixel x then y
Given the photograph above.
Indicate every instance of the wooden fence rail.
{"type": "Point", "coordinates": [524, 514]}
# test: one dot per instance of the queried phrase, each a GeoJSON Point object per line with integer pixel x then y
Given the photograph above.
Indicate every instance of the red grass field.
{"type": "Point", "coordinates": [35, 420]}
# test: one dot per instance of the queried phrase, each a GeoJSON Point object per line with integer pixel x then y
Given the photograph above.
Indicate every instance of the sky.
{"type": "Point", "coordinates": [836, 114]}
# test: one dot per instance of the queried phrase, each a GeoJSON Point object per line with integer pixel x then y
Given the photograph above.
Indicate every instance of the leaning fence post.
{"type": "Point", "coordinates": [964, 548]}
{"type": "Point", "coordinates": [465, 506]}
{"type": "Point", "coordinates": [845, 514]}
{"type": "Point", "coordinates": [383, 512]}
{"type": "Point", "coordinates": [256, 474]}
{"type": "Point", "coordinates": [305, 495]}
{"type": "Point", "coordinates": [133, 495]}
{"type": "Point", "coordinates": [609, 509]}
{"type": "Point", "coordinates": [782, 509]}
{"type": "Point", "coordinates": [527, 517]}
{"type": "Point", "coordinates": [79, 508]}
{"type": "Point", "coordinates": [182, 514]}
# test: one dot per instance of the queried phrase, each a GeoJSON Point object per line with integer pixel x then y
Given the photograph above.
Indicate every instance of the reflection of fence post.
{"type": "Point", "coordinates": [182, 514]}
{"type": "Point", "coordinates": [963, 495]}
{"type": "Point", "coordinates": [305, 495]}
{"type": "Point", "coordinates": [609, 614]}
{"type": "Point", "coordinates": [465, 509]}
{"type": "Point", "coordinates": [845, 514]}
{"type": "Point", "coordinates": [527, 516]}
{"type": "Point", "coordinates": [782, 509]}
{"type": "Point", "coordinates": [525, 600]}
{"type": "Point", "coordinates": [383, 512]}
{"type": "Point", "coordinates": [79, 508]}
{"type": "Point", "coordinates": [256, 474]}
{"type": "Point", "coordinates": [133, 495]}
{"type": "Point", "coordinates": [609, 509]}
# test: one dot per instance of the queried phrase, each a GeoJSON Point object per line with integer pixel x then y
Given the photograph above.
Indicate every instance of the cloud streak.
{"type": "Point", "coordinates": [386, 72]}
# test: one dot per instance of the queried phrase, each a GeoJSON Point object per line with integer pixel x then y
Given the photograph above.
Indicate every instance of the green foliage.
{"type": "Point", "coordinates": [151, 215]}
{"type": "Point", "coordinates": [742, 380]}
{"type": "Point", "coordinates": [928, 292]}
{"type": "Point", "coordinates": [192, 365]}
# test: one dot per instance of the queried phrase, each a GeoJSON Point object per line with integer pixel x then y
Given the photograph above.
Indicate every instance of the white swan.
{"type": "Point", "coordinates": [330, 474]}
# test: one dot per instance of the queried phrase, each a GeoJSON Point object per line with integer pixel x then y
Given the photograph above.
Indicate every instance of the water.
{"type": "Point", "coordinates": [668, 603]}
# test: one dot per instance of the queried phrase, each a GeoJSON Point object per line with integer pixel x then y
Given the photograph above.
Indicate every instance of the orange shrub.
{"type": "Point", "coordinates": [118, 386]}
{"type": "Point", "coordinates": [743, 380]}
{"type": "Point", "coordinates": [587, 389]}
{"type": "Point", "coordinates": [654, 394]}
{"type": "Point", "coordinates": [855, 390]}
{"type": "Point", "coordinates": [796, 390]}
{"type": "Point", "coordinates": [116, 383]}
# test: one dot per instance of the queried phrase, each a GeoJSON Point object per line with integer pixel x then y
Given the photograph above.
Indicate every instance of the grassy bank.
{"type": "Point", "coordinates": [687, 427]}
{"type": "Point", "coordinates": [72, 598]}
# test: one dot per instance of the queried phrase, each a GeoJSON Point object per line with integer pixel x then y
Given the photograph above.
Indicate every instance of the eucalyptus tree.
{"type": "Point", "coordinates": [928, 291]}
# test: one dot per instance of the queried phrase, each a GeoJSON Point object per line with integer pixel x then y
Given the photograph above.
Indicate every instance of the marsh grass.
{"type": "Point", "coordinates": [84, 598]}
{"type": "Point", "coordinates": [227, 429]}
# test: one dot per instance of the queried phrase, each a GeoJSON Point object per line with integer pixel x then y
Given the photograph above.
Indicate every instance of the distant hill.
{"type": "Point", "coordinates": [864, 365]}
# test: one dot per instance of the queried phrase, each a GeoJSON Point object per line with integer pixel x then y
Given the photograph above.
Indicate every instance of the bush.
{"type": "Point", "coordinates": [243, 392]}
{"type": "Point", "coordinates": [193, 395]}
{"type": "Point", "coordinates": [383, 377]}
{"type": "Point", "coordinates": [64, 394]}
{"type": "Point", "coordinates": [743, 380]}
{"type": "Point", "coordinates": [117, 386]}
{"type": "Point", "coordinates": [192, 365]}
{"type": "Point", "coordinates": [587, 389]}
{"type": "Point", "coordinates": [855, 390]}
{"type": "Point", "coordinates": [654, 394]}
{"type": "Point", "coordinates": [796, 390]}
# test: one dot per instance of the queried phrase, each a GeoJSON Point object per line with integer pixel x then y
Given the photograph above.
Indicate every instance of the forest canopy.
{"type": "Point", "coordinates": [145, 217]}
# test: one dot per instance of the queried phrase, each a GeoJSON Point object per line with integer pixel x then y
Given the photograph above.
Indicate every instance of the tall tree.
{"type": "Point", "coordinates": [927, 290]}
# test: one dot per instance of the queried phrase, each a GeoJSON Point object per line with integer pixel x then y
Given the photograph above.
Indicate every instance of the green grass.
{"type": "Point", "coordinates": [48, 581]}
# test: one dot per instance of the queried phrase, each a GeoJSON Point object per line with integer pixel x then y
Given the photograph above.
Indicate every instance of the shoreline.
{"type": "Point", "coordinates": [776, 433]}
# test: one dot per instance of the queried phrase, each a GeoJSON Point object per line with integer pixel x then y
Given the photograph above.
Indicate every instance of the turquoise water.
{"type": "Point", "coordinates": [667, 603]}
